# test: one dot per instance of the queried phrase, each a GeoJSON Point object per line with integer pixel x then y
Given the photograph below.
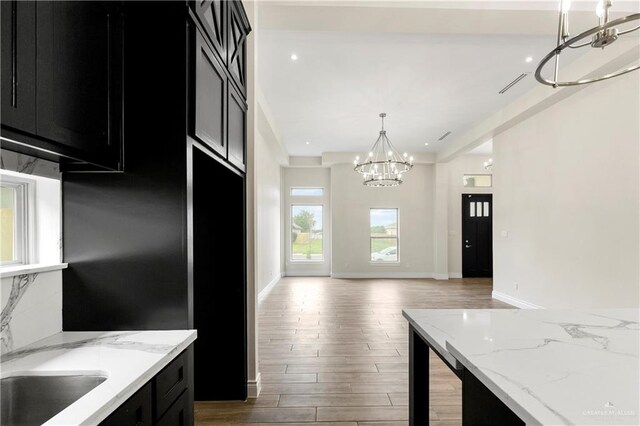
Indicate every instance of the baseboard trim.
{"type": "Point", "coordinates": [306, 274]}
{"type": "Point", "coordinates": [254, 387]}
{"type": "Point", "coordinates": [265, 291]}
{"type": "Point", "coordinates": [514, 301]}
{"type": "Point", "coordinates": [455, 274]}
{"type": "Point", "coordinates": [388, 274]}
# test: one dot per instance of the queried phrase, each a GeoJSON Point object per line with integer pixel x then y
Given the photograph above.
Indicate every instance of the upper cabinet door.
{"type": "Point", "coordinates": [236, 129]}
{"type": "Point", "coordinates": [18, 64]}
{"type": "Point", "coordinates": [212, 15]}
{"type": "Point", "coordinates": [210, 96]}
{"type": "Point", "coordinates": [237, 45]}
{"type": "Point", "coordinates": [79, 74]}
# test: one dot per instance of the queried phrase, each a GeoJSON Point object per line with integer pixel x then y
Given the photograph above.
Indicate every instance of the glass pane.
{"type": "Point", "coordinates": [384, 249]}
{"type": "Point", "coordinates": [307, 192]}
{"type": "Point", "coordinates": [306, 233]}
{"type": "Point", "coordinates": [384, 222]}
{"type": "Point", "coordinates": [479, 208]}
{"type": "Point", "coordinates": [476, 181]}
{"type": "Point", "coordinates": [7, 223]}
{"type": "Point", "coordinates": [486, 209]}
{"type": "Point", "coordinates": [472, 209]}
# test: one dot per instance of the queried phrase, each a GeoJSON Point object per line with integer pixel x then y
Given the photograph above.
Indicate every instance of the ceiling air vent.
{"type": "Point", "coordinates": [444, 136]}
{"type": "Point", "coordinates": [513, 83]}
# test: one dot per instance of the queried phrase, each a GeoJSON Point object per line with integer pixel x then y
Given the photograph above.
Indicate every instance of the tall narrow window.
{"type": "Point", "coordinates": [13, 221]}
{"type": "Point", "coordinates": [383, 235]}
{"type": "Point", "coordinates": [306, 233]}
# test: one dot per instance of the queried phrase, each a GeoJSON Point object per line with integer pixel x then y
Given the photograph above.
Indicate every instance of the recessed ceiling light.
{"type": "Point", "coordinates": [307, 142]}
{"type": "Point", "coordinates": [294, 57]}
{"type": "Point", "coordinates": [529, 59]}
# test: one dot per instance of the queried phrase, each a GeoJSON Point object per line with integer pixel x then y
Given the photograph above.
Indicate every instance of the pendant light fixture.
{"type": "Point", "coordinates": [600, 36]}
{"type": "Point", "coordinates": [383, 166]}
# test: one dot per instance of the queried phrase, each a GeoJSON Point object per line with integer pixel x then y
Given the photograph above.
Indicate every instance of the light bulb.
{"type": "Point", "coordinates": [390, 153]}
{"type": "Point", "coordinates": [371, 154]}
{"type": "Point", "coordinates": [355, 162]}
{"type": "Point", "coordinates": [600, 9]}
{"type": "Point", "coordinates": [294, 57]}
{"type": "Point", "coordinates": [410, 158]}
{"type": "Point", "coordinates": [399, 175]}
{"type": "Point", "coordinates": [357, 158]}
{"type": "Point", "coordinates": [491, 160]}
{"type": "Point", "coordinates": [565, 6]}
{"type": "Point", "coordinates": [405, 155]}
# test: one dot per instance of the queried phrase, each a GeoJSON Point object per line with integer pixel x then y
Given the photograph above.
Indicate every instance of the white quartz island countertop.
{"type": "Point", "coordinates": [550, 367]}
{"type": "Point", "coordinates": [129, 359]}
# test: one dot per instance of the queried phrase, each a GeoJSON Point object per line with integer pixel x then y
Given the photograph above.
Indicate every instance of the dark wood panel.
{"type": "Point", "coordinates": [178, 413]}
{"type": "Point", "coordinates": [170, 383]}
{"type": "Point", "coordinates": [238, 30]}
{"type": "Point", "coordinates": [78, 76]}
{"type": "Point", "coordinates": [236, 129]}
{"type": "Point", "coordinates": [18, 65]}
{"type": "Point", "coordinates": [213, 17]}
{"type": "Point", "coordinates": [210, 97]}
{"type": "Point", "coordinates": [219, 231]}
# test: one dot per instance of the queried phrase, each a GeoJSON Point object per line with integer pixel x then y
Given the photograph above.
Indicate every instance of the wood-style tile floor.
{"type": "Point", "coordinates": [334, 352]}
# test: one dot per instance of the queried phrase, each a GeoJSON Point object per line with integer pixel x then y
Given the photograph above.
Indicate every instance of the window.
{"type": "Point", "coordinates": [306, 233]}
{"type": "Point", "coordinates": [384, 235]}
{"type": "Point", "coordinates": [14, 242]}
{"type": "Point", "coordinates": [307, 192]}
{"type": "Point", "coordinates": [476, 181]}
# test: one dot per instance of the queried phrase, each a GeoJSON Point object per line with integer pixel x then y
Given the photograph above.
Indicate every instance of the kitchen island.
{"type": "Point", "coordinates": [128, 360]}
{"type": "Point", "coordinates": [550, 367]}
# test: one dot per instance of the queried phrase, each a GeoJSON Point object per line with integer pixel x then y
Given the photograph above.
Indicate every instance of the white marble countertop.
{"type": "Point", "coordinates": [129, 359]}
{"type": "Point", "coordinates": [550, 367]}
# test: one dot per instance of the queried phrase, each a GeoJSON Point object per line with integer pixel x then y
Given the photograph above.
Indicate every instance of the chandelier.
{"type": "Point", "coordinates": [383, 166]}
{"type": "Point", "coordinates": [600, 36]}
{"type": "Point", "coordinates": [488, 165]}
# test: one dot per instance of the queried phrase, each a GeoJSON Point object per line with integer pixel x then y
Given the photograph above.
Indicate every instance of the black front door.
{"type": "Point", "coordinates": [477, 241]}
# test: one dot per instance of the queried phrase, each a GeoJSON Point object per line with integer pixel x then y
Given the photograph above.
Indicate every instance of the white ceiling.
{"type": "Point", "coordinates": [428, 82]}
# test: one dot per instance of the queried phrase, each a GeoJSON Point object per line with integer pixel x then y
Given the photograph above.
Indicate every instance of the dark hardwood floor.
{"type": "Point", "coordinates": [334, 352]}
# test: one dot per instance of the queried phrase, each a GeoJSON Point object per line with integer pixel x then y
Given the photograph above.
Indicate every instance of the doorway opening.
{"type": "Point", "coordinates": [477, 235]}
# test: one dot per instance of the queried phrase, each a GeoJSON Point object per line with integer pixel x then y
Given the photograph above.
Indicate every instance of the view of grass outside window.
{"type": "Point", "coordinates": [384, 235]}
{"type": "Point", "coordinates": [306, 232]}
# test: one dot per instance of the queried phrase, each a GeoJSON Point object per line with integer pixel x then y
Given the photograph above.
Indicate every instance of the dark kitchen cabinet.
{"type": "Point", "coordinates": [210, 95]}
{"type": "Point", "coordinates": [61, 82]}
{"type": "Point", "coordinates": [236, 129]}
{"type": "Point", "coordinates": [237, 45]}
{"type": "Point", "coordinates": [18, 64]}
{"type": "Point", "coordinates": [155, 404]}
{"type": "Point", "coordinates": [212, 16]}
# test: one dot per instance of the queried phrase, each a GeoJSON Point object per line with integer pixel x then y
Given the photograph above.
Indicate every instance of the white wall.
{"type": "Point", "coordinates": [317, 177]}
{"type": "Point", "coordinates": [267, 211]}
{"type": "Point", "coordinates": [466, 164]}
{"type": "Point", "coordinates": [351, 201]}
{"type": "Point", "coordinates": [566, 191]}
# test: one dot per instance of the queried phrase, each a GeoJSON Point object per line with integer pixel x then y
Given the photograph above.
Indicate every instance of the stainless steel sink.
{"type": "Point", "coordinates": [32, 400]}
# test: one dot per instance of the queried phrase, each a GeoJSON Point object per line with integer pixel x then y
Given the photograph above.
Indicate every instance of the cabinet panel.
{"type": "Point", "coordinates": [236, 45]}
{"type": "Point", "coordinates": [178, 413]}
{"type": "Point", "coordinates": [170, 383]}
{"type": "Point", "coordinates": [210, 94]}
{"type": "Point", "coordinates": [78, 76]}
{"type": "Point", "coordinates": [212, 15]}
{"type": "Point", "coordinates": [237, 129]}
{"type": "Point", "coordinates": [136, 411]}
{"type": "Point", "coordinates": [18, 64]}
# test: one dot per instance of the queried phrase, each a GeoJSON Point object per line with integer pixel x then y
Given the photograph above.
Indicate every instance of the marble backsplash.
{"type": "Point", "coordinates": [31, 308]}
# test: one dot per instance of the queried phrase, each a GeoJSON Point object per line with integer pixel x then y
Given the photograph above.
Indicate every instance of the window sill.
{"type": "Point", "coordinates": [11, 271]}
{"type": "Point", "coordinates": [374, 263]}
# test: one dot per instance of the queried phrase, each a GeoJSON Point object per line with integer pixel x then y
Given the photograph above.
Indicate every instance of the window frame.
{"type": "Point", "coordinates": [466, 175]}
{"type": "Point", "coordinates": [397, 238]}
{"type": "Point", "coordinates": [24, 227]}
{"type": "Point", "coordinates": [291, 259]}
{"type": "Point", "coordinates": [291, 188]}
